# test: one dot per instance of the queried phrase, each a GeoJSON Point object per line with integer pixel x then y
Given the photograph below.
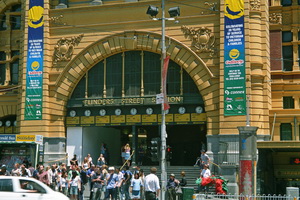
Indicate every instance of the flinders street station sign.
{"type": "Point", "coordinates": [128, 101]}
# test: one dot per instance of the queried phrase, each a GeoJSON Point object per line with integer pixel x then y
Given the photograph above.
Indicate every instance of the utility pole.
{"type": "Point", "coordinates": [163, 112]}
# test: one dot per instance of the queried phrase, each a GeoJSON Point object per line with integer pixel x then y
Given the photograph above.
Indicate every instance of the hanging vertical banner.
{"type": "Point", "coordinates": [164, 81]}
{"type": "Point", "coordinates": [234, 59]}
{"type": "Point", "coordinates": [34, 66]}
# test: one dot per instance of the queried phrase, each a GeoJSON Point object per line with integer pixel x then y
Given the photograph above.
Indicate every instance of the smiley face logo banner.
{"type": "Point", "coordinates": [234, 59]}
{"type": "Point", "coordinates": [34, 65]}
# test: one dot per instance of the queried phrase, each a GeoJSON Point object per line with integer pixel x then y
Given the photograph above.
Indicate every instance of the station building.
{"type": "Point", "coordinates": [75, 74]}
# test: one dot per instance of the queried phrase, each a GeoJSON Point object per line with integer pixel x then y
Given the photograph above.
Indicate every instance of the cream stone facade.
{"type": "Point", "coordinates": [80, 34]}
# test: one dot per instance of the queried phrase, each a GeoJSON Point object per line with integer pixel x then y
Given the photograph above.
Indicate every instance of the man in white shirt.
{"type": "Point", "coordinates": [151, 184]}
{"type": "Point", "coordinates": [205, 173]}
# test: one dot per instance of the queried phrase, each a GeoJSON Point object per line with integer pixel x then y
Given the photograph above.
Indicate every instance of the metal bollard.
{"type": "Point", "coordinates": [198, 196]}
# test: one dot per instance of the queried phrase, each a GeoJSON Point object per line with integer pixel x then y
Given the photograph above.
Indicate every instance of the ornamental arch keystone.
{"type": "Point", "coordinates": [128, 41]}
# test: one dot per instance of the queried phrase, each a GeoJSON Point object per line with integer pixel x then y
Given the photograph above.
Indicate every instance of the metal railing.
{"type": "Point", "coordinates": [243, 197]}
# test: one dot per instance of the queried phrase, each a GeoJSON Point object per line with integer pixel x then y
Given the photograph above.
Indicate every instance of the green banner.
{"type": "Point", "coordinates": [35, 59]}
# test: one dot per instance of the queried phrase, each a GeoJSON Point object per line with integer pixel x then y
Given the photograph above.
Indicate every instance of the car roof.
{"type": "Point", "coordinates": [16, 177]}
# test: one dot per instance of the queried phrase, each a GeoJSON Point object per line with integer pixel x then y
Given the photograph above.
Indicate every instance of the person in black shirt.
{"type": "Point", "coordinates": [74, 160]}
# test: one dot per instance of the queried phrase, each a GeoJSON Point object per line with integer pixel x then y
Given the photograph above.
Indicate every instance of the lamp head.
{"type": "Point", "coordinates": [174, 12]}
{"type": "Point", "coordinates": [152, 11]}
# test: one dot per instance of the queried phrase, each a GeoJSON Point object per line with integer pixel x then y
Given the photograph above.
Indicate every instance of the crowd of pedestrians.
{"type": "Point", "coordinates": [103, 181]}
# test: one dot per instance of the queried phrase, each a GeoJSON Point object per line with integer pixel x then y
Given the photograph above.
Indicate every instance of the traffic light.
{"type": "Point", "coordinates": [169, 153]}
{"type": "Point", "coordinates": [155, 149]}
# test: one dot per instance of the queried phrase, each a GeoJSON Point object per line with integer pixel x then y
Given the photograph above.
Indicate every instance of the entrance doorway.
{"type": "Point", "coordinates": [186, 142]}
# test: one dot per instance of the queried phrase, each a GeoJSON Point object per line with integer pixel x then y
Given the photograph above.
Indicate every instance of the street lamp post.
{"type": "Point", "coordinates": [163, 112]}
{"type": "Point", "coordinates": [174, 12]}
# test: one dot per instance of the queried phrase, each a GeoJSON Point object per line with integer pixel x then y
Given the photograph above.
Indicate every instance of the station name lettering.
{"type": "Point", "coordinates": [128, 101]}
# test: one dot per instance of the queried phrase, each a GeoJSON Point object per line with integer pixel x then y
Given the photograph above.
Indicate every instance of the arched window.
{"type": "Point", "coordinates": [133, 74]}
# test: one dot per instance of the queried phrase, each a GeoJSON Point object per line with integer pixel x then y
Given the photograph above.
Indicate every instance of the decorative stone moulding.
{"type": "Point", "coordinates": [64, 48]}
{"type": "Point", "coordinates": [57, 20]}
{"type": "Point", "coordinates": [203, 41]}
{"type": "Point", "coordinates": [212, 7]}
{"type": "Point", "coordinates": [275, 18]}
{"type": "Point", "coordinates": [255, 5]}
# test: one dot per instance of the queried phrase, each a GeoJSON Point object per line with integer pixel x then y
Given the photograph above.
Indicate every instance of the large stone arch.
{"type": "Point", "coordinates": [127, 41]}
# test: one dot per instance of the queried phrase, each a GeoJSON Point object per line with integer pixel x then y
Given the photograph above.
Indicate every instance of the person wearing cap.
{"type": "Point", "coordinates": [4, 172]}
{"type": "Point", "coordinates": [172, 183]}
{"type": "Point", "coordinates": [111, 184]}
{"type": "Point", "coordinates": [151, 185]}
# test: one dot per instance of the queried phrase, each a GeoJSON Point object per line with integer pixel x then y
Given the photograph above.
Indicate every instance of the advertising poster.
{"type": "Point", "coordinates": [234, 59]}
{"type": "Point", "coordinates": [34, 65]}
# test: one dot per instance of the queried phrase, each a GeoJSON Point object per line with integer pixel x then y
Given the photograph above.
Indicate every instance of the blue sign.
{"type": "Point", "coordinates": [7, 138]}
{"type": "Point", "coordinates": [234, 59]}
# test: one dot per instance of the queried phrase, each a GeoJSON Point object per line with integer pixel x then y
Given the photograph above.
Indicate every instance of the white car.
{"type": "Point", "coordinates": [21, 188]}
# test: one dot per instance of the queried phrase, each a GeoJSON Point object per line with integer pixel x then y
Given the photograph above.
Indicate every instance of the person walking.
{"type": "Point", "coordinates": [112, 182]}
{"type": "Point", "coordinates": [205, 173]}
{"type": "Point", "coordinates": [120, 193]}
{"type": "Point", "coordinates": [171, 185]}
{"type": "Point", "coordinates": [136, 187]}
{"type": "Point", "coordinates": [4, 172]}
{"type": "Point", "coordinates": [127, 182]}
{"type": "Point", "coordinates": [74, 185]}
{"type": "Point", "coordinates": [182, 183]}
{"type": "Point", "coordinates": [84, 181]}
{"type": "Point", "coordinates": [53, 174]}
{"type": "Point", "coordinates": [43, 175]}
{"type": "Point", "coordinates": [63, 183]}
{"type": "Point", "coordinates": [142, 177]}
{"type": "Point", "coordinates": [16, 170]}
{"type": "Point", "coordinates": [204, 159]}
{"type": "Point", "coordinates": [98, 180]}
{"type": "Point", "coordinates": [24, 172]}
{"type": "Point", "coordinates": [90, 173]}
{"type": "Point", "coordinates": [152, 188]}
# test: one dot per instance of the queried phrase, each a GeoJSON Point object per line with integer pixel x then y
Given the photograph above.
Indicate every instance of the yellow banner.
{"type": "Point", "coordinates": [25, 138]}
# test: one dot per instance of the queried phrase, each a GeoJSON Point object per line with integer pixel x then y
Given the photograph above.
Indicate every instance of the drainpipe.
{"type": "Point", "coordinates": [295, 128]}
{"type": "Point", "coordinates": [272, 134]}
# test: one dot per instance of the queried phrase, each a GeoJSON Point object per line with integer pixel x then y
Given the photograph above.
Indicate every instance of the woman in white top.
{"type": "Point", "coordinates": [75, 185]}
{"type": "Point", "coordinates": [86, 164]}
{"type": "Point", "coordinates": [63, 183]}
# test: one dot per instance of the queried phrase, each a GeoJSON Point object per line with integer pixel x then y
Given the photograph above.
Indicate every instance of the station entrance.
{"type": "Point", "coordinates": [115, 103]}
{"type": "Point", "coordinates": [186, 142]}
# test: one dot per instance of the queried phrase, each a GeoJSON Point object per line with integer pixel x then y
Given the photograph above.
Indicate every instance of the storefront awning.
{"type": "Point", "coordinates": [24, 139]}
{"type": "Point", "coordinates": [278, 145]}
